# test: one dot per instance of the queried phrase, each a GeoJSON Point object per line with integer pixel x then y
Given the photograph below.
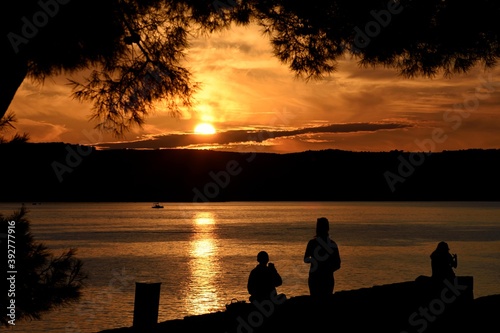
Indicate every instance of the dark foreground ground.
{"type": "Point", "coordinates": [407, 307]}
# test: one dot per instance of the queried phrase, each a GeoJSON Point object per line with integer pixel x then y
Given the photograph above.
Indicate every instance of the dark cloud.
{"type": "Point", "coordinates": [245, 136]}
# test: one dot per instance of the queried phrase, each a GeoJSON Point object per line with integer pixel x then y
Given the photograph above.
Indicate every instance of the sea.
{"type": "Point", "coordinates": [201, 254]}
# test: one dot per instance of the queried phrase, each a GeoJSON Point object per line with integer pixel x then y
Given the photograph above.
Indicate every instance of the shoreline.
{"type": "Point", "coordinates": [409, 306]}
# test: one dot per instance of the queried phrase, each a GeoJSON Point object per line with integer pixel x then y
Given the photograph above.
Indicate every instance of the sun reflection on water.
{"type": "Point", "coordinates": [203, 288]}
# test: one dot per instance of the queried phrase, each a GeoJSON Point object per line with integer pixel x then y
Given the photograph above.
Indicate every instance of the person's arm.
{"type": "Point", "coordinates": [308, 254]}
{"type": "Point", "coordinates": [251, 283]}
{"type": "Point", "coordinates": [454, 261]}
{"type": "Point", "coordinates": [277, 280]}
{"type": "Point", "coordinates": [337, 259]}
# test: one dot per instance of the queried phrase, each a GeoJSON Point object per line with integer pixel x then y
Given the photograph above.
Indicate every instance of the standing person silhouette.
{"type": "Point", "coordinates": [442, 263]}
{"type": "Point", "coordinates": [263, 279]}
{"type": "Point", "coordinates": [323, 255]}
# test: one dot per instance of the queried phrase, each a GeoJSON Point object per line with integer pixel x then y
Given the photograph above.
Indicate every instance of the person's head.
{"type": "Point", "coordinates": [322, 226]}
{"type": "Point", "coordinates": [263, 257]}
{"type": "Point", "coordinates": [442, 247]}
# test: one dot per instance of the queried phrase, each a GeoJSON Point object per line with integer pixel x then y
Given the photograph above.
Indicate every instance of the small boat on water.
{"type": "Point", "coordinates": [157, 205]}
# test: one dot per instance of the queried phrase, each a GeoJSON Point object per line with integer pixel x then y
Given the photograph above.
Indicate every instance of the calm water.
{"type": "Point", "coordinates": [202, 253]}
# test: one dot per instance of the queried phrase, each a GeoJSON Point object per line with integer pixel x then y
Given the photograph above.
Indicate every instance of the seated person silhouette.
{"type": "Point", "coordinates": [442, 263]}
{"type": "Point", "coordinates": [263, 279]}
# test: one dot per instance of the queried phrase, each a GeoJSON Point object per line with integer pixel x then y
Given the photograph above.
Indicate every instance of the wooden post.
{"type": "Point", "coordinates": [146, 303]}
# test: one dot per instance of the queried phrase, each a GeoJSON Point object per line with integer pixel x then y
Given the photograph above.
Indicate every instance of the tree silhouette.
{"type": "Point", "coordinates": [135, 48]}
{"type": "Point", "coordinates": [42, 281]}
{"type": "Point", "coordinates": [6, 122]}
{"type": "Point", "coordinates": [417, 37]}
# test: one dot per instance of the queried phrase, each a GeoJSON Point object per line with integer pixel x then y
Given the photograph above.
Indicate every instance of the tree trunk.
{"type": "Point", "coordinates": [12, 74]}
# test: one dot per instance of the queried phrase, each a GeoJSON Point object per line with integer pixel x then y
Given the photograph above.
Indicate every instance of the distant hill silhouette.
{"type": "Point", "coordinates": [62, 172]}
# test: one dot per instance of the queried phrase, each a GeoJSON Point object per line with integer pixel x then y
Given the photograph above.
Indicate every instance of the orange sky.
{"type": "Point", "coordinates": [257, 104]}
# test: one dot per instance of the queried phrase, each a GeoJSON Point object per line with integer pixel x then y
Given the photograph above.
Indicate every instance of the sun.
{"type": "Point", "coordinates": [204, 128]}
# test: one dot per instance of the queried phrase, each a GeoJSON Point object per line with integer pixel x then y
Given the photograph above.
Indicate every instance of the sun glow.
{"type": "Point", "coordinates": [204, 128]}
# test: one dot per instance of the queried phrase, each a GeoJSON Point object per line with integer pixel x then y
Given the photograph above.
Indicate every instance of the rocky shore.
{"type": "Point", "coordinates": [412, 306]}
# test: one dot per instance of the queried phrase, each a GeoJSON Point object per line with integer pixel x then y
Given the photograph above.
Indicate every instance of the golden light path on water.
{"type": "Point", "coordinates": [203, 291]}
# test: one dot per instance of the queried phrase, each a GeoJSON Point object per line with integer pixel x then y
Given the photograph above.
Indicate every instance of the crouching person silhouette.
{"type": "Point", "coordinates": [443, 263]}
{"type": "Point", "coordinates": [262, 283]}
{"type": "Point", "coordinates": [263, 279]}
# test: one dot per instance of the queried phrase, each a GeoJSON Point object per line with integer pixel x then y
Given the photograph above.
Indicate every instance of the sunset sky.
{"type": "Point", "coordinates": [255, 103]}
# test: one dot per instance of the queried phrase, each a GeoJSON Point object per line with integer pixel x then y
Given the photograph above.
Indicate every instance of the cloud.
{"type": "Point", "coordinates": [245, 91]}
{"type": "Point", "coordinates": [248, 136]}
{"type": "Point", "coordinates": [41, 131]}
